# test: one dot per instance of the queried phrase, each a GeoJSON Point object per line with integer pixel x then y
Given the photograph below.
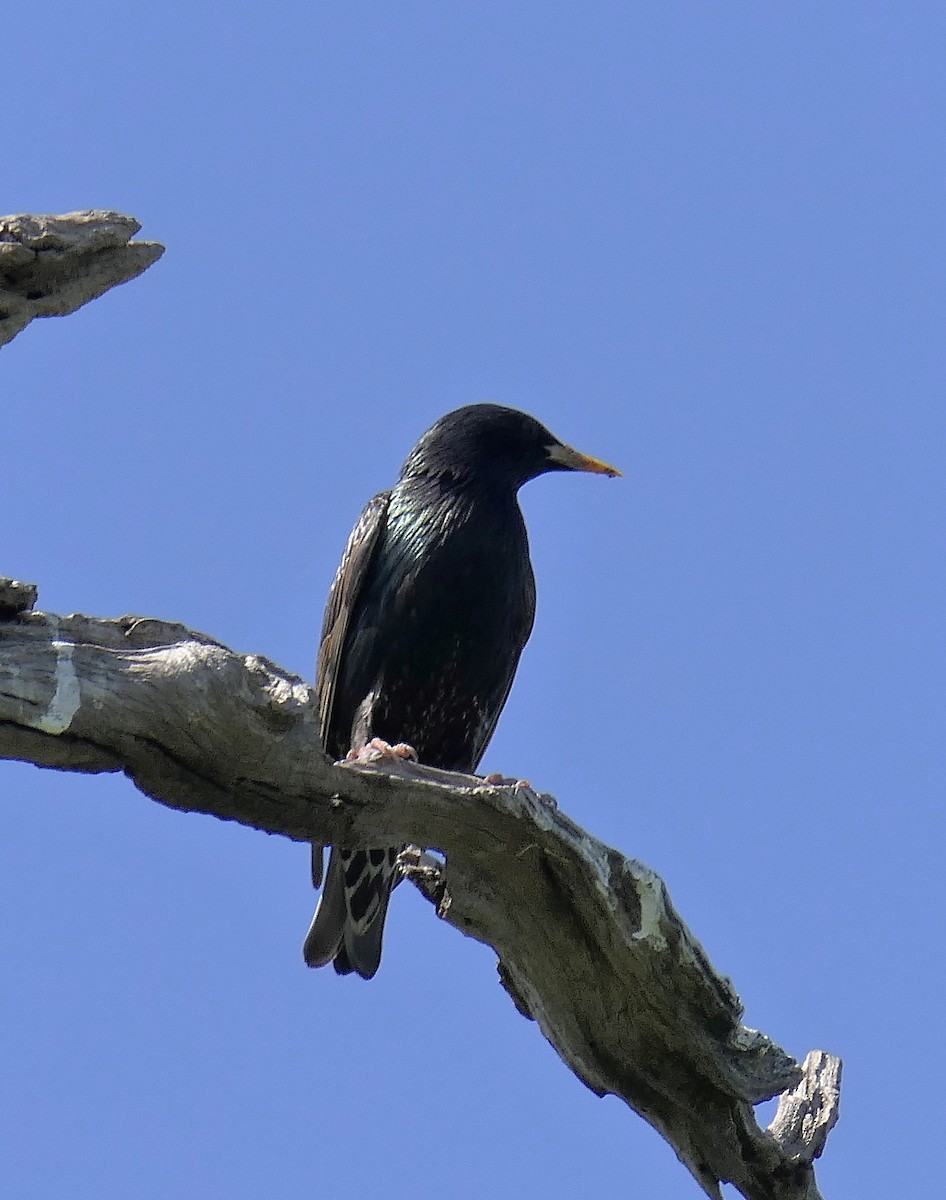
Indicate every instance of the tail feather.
{"type": "Point", "coordinates": [318, 863]}
{"type": "Point", "coordinates": [348, 925]}
{"type": "Point", "coordinates": [328, 925]}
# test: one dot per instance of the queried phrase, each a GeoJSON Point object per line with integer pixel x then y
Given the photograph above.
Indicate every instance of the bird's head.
{"type": "Point", "coordinates": [487, 443]}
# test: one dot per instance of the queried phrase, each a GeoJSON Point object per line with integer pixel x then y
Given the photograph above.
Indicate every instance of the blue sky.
{"type": "Point", "coordinates": [703, 242]}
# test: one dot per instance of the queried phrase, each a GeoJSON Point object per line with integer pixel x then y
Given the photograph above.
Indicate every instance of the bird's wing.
{"type": "Point", "coordinates": [342, 601]}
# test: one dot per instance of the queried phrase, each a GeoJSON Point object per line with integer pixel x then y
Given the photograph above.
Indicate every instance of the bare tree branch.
{"type": "Point", "coordinates": [807, 1114]}
{"type": "Point", "coordinates": [50, 266]}
{"type": "Point", "coordinates": [589, 944]}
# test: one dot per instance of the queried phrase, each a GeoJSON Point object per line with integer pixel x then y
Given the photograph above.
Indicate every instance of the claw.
{"type": "Point", "coordinates": [496, 780]}
{"type": "Point", "coordinates": [378, 749]}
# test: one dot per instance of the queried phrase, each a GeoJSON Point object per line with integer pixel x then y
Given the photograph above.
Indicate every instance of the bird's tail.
{"type": "Point", "coordinates": [349, 921]}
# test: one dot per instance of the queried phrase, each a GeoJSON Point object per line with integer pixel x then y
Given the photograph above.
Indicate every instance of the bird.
{"type": "Point", "coordinates": [430, 608]}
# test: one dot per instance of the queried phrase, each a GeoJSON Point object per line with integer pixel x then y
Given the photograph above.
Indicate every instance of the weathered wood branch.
{"type": "Point", "coordinates": [50, 266]}
{"type": "Point", "coordinates": [589, 944]}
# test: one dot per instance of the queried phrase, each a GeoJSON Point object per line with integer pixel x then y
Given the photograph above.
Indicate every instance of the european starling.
{"type": "Point", "coordinates": [428, 613]}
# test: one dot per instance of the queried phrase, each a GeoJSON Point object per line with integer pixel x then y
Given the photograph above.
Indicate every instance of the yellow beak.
{"type": "Point", "coordinates": [574, 460]}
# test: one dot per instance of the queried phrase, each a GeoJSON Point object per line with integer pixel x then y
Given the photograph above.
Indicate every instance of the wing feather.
{"type": "Point", "coordinates": [342, 602]}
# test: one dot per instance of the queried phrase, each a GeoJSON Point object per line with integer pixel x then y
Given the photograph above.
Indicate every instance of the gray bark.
{"type": "Point", "coordinates": [50, 266]}
{"type": "Point", "coordinates": [589, 944]}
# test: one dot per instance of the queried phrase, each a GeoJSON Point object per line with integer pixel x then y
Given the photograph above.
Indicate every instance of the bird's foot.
{"type": "Point", "coordinates": [378, 749]}
{"type": "Point", "coordinates": [496, 780]}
